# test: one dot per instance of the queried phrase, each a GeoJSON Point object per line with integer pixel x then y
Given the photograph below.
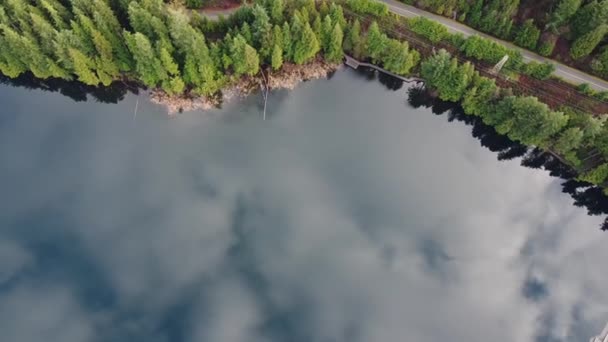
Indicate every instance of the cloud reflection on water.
{"type": "Point", "coordinates": [359, 220]}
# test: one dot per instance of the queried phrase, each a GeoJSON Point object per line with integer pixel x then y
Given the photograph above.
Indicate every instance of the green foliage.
{"type": "Point", "coordinates": [277, 57]}
{"type": "Point", "coordinates": [479, 99]}
{"type": "Point", "coordinates": [306, 45]}
{"type": "Point", "coordinates": [595, 176]}
{"type": "Point", "coordinates": [528, 35]}
{"type": "Point", "coordinates": [587, 43]}
{"type": "Point", "coordinates": [489, 51]}
{"type": "Point", "coordinates": [245, 60]}
{"type": "Point", "coordinates": [334, 52]}
{"type": "Point", "coordinates": [376, 42]}
{"type": "Point", "coordinates": [443, 73]}
{"type": "Point", "coordinates": [194, 3]}
{"type": "Point", "coordinates": [568, 141]}
{"type": "Point", "coordinates": [353, 42]}
{"type": "Point", "coordinates": [527, 120]}
{"type": "Point", "coordinates": [563, 12]}
{"type": "Point", "coordinates": [398, 58]}
{"type": "Point", "coordinates": [541, 71]}
{"type": "Point", "coordinates": [586, 89]}
{"type": "Point", "coordinates": [589, 17]}
{"type": "Point", "coordinates": [547, 46]}
{"type": "Point", "coordinates": [430, 29]}
{"type": "Point", "coordinates": [368, 7]}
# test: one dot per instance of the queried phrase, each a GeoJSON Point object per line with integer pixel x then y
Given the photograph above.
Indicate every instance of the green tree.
{"type": "Point", "coordinates": [326, 33]}
{"type": "Point", "coordinates": [353, 42]}
{"type": "Point", "coordinates": [335, 53]}
{"type": "Point", "coordinates": [399, 58]}
{"type": "Point", "coordinates": [563, 12]}
{"type": "Point", "coordinates": [376, 42]}
{"type": "Point", "coordinates": [587, 43]}
{"type": "Point", "coordinates": [277, 7]}
{"type": "Point", "coordinates": [277, 57]}
{"type": "Point", "coordinates": [568, 141]}
{"type": "Point", "coordinates": [430, 29]}
{"type": "Point", "coordinates": [148, 66]}
{"type": "Point", "coordinates": [287, 44]}
{"type": "Point", "coordinates": [262, 32]}
{"type": "Point", "coordinates": [337, 14]}
{"type": "Point", "coordinates": [307, 46]}
{"type": "Point", "coordinates": [596, 176]}
{"type": "Point", "coordinates": [479, 99]}
{"type": "Point", "coordinates": [244, 57]}
{"type": "Point", "coordinates": [589, 17]}
{"type": "Point", "coordinates": [528, 35]}
{"type": "Point", "coordinates": [82, 68]}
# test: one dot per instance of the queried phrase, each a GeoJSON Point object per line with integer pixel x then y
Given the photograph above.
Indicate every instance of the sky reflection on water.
{"type": "Point", "coordinates": [348, 216]}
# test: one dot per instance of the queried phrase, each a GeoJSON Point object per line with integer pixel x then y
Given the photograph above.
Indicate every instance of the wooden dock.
{"type": "Point", "coordinates": [355, 64]}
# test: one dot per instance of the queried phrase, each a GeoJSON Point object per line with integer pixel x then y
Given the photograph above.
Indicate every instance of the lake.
{"type": "Point", "coordinates": [355, 212]}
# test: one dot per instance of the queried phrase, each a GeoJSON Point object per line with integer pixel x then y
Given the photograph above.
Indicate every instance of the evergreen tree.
{"type": "Point", "coordinates": [563, 12]}
{"type": "Point", "coordinates": [334, 52]}
{"type": "Point", "coordinates": [587, 43]}
{"type": "Point", "coordinates": [326, 33]}
{"type": "Point", "coordinates": [277, 57]}
{"type": "Point", "coordinates": [528, 35]}
{"type": "Point", "coordinates": [376, 42]}
{"type": "Point", "coordinates": [82, 68]}
{"type": "Point", "coordinates": [589, 17]}
{"type": "Point", "coordinates": [244, 57]}
{"type": "Point", "coordinates": [354, 43]}
{"type": "Point", "coordinates": [337, 14]}
{"type": "Point", "coordinates": [148, 66]}
{"type": "Point", "coordinates": [287, 44]}
{"type": "Point", "coordinates": [398, 57]}
{"type": "Point", "coordinates": [262, 32]}
{"type": "Point", "coordinates": [276, 10]}
{"type": "Point", "coordinates": [307, 46]}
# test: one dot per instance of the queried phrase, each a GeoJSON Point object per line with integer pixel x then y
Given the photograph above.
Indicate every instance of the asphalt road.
{"type": "Point", "coordinates": [565, 72]}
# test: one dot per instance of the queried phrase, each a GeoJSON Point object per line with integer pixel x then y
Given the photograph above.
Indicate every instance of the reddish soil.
{"type": "Point", "coordinates": [219, 5]}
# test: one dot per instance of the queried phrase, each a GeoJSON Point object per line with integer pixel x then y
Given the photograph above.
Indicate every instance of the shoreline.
{"type": "Point", "coordinates": [289, 76]}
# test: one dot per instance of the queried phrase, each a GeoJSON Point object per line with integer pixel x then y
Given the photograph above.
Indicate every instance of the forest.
{"type": "Point", "coordinates": [98, 42]}
{"type": "Point", "coordinates": [160, 45]}
{"type": "Point", "coordinates": [572, 31]}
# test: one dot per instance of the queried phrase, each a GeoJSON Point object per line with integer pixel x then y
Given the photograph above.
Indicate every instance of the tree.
{"type": "Point", "coordinates": [376, 42]}
{"type": "Point", "coordinates": [337, 14]}
{"type": "Point", "coordinates": [277, 57]}
{"type": "Point", "coordinates": [262, 32]}
{"type": "Point", "coordinates": [563, 12]}
{"type": "Point", "coordinates": [528, 35]}
{"type": "Point", "coordinates": [287, 43]}
{"type": "Point", "coordinates": [430, 29]}
{"type": "Point", "coordinates": [527, 120]}
{"type": "Point", "coordinates": [306, 47]}
{"type": "Point", "coordinates": [547, 46]}
{"type": "Point", "coordinates": [276, 10]}
{"type": "Point", "coordinates": [326, 33]}
{"type": "Point", "coordinates": [479, 99]}
{"type": "Point", "coordinates": [589, 17]}
{"type": "Point", "coordinates": [335, 53]}
{"type": "Point", "coordinates": [148, 66]}
{"type": "Point", "coordinates": [244, 57]}
{"type": "Point", "coordinates": [399, 58]}
{"type": "Point", "coordinates": [568, 141]}
{"type": "Point", "coordinates": [587, 43]}
{"type": "Point", "coordinates": [353, 42]}
{"type": "Point", "coordinates": [595, 176]}
{"type": "Point", "coordinates": [82, 68]}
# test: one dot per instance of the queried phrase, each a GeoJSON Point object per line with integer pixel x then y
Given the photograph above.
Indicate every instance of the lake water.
{"type": "Point", "coordinates": [348, 215]}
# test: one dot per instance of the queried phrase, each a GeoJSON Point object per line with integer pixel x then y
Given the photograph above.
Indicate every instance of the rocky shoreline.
{"type": "Point", "coordinates": [288, 77]}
